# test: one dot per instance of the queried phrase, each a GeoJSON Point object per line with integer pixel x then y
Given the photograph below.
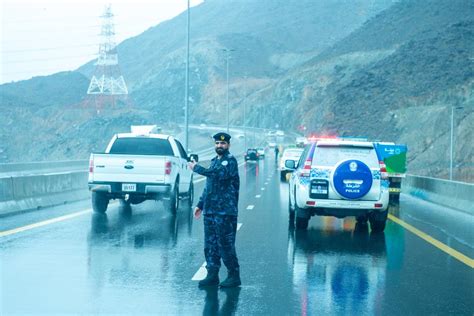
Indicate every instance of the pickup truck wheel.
{"type": "Point", "coordinates": [173, 202]}
{"type": "Point", "coordinates": [191, 194]}
{"type": "Point", "coordinates": [99, 202]}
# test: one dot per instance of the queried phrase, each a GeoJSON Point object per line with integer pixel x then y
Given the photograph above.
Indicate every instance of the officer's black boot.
{"type": "Point", "coordinates": [212, 278]}
{"type": "Point", "coordinates": [233, 279]}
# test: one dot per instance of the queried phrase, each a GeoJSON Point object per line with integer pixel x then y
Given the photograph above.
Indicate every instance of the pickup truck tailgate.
{"type": "Point", "coordinates": [127, 168]}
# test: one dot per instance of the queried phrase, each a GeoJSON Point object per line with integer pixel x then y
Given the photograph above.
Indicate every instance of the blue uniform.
{"type": "Point", "coordinates": [221, 193]}
{"type": "Point", "coordinates": [219, 202]}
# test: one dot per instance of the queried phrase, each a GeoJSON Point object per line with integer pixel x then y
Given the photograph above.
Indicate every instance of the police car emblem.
{"type": "Point", "coordinates": [225, 163]}
{"type": "Point", "coordinates": [353, 166]}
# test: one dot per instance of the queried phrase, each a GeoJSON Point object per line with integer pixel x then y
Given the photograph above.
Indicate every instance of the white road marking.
{"type": "Point", "coordinates": [250, 207]}
{"type": "Point", "coordinates": [258, 196]}
{"type": "Point", "coordinates": [202, 272]}
{"type": "Point", "coordinates": [263, 189]}
{"type": "Point", "coordinates": [43, 223]}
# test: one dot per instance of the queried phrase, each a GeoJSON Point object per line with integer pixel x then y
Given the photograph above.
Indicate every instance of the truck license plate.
{"type": "Point", "coordinates": [129, 187]}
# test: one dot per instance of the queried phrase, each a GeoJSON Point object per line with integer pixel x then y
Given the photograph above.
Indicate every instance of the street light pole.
{"type": "Point", "coordinates": [186, 93]}
{"type": "Point", "coordinates": [245, 129]}
{"type": "Point", "coordinates": [451, 155]}
{"type": "Point", "coordinates": [451, 142]}
{"type": "Point", "coordinates": [227, 92]}
{"type": "Point", "coordinates": [227, 77]}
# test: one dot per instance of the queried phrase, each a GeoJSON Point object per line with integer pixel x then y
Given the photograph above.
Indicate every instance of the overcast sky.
{"type": "Point", "coordinates": [45, 37]}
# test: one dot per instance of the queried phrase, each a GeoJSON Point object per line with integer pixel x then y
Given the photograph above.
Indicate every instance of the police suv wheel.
{"type": "Point", "coordinates": [291, 210]}
{"type": "Point", "coordinates": [377, 221]}
{"type": "Point", "coordinates": [302, 222]}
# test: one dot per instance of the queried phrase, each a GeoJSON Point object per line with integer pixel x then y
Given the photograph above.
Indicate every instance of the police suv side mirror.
{"type": "Point", "coordinates": [193, 157]}
{"type": "Point", "coordinates": [290, 164]}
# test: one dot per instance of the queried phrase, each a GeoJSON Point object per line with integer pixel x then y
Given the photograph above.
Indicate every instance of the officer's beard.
{"type": "Point", "coordinates": [221, 151]}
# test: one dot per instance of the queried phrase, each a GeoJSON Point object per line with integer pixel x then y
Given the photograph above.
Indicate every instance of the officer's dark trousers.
{"type": "Point", "coordinates": [219, 242]}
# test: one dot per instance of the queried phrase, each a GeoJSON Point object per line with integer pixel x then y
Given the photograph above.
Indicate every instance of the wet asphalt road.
{"type": "Point", "coordinates": [142, 261]}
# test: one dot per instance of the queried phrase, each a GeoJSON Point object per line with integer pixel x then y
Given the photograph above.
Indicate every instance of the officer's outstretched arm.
{"type": "Point", "coordinates": [219, 171]}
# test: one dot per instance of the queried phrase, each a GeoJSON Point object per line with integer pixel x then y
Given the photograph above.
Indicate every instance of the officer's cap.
{"type": "Point", "coordinates": [222, 137]}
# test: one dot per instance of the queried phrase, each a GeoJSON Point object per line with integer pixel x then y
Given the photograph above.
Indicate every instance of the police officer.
{"type": "Point", "coordinates": [218, 203]}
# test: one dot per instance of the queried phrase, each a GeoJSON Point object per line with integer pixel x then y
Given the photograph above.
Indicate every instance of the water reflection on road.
{"type": "Point", "coordinates": [338, 267]}
{"type": "Point", "coordinates": [136, 249]}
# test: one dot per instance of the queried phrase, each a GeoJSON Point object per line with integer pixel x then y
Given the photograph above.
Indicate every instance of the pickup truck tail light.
{"type": "Point", "coordinates": [91, 165]}
{"type": "Point", "coordinates": [168, 167]}
{"type": "Point", "coordinates": [383, 170]}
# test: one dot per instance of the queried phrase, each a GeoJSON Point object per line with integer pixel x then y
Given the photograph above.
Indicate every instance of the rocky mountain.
{"type": "Point", "coordinates": [395, 84]}
{"type": "Point", "coordinates": [388, 70]}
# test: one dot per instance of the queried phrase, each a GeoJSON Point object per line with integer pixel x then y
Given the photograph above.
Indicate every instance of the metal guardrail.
{"type": "Point", "coordinates": [454, 194]}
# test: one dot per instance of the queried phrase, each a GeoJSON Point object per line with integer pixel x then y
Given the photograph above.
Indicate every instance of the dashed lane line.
{"type": "Point", "coordinates": [443, 247]}
{"type": "Point", "coordinates": [258, 196]}
{"type": "Point", "coordinates": [250, 207]}
{"type": "Point", "coordinates": [201, 272]}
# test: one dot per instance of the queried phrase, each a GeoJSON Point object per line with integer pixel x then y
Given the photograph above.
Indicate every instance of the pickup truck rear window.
{"type": "Point", "coordinates": [142, 146]}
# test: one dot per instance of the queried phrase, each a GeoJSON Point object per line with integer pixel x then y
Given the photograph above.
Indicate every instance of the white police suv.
{"type": "Point", "coordinates": [339, 178]}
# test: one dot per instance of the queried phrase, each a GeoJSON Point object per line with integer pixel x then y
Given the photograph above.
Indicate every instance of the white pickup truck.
{"type": "Point", "coordinates": [141, 166]}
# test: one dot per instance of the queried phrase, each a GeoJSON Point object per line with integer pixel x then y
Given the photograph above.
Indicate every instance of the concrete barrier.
{"type": "Point", "coordinates": [454, 194]}
{"type": "Point", "coordinates": [39, 165]}
{"type": "Point", "coordinates": [32, 192]}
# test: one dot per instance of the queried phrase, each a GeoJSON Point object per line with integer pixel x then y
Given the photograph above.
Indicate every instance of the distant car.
{"type": "Point", "coordinates": [280, 133]}
{"type": "Point", "coordinates": [301, 141]}
{"type": "Point", "coordinates": [339, 178]}
{"type": "Point", "coordinates": [289, 154]}
{"type": "Point", "coordinates": [261, 152]}
{"type": "Point", "coordinates": [272, 144]}
{"type": "Point", "coordinates": [251, 154]}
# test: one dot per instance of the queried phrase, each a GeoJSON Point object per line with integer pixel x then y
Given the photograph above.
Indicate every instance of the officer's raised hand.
{"type": "Point", "coordinates": [197, 213]}
{"type": "Point", "coordinates": [191, 164]}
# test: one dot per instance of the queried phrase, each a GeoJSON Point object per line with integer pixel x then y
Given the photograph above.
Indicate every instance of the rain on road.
{"type": "Point", "coordinates": [143, 260]}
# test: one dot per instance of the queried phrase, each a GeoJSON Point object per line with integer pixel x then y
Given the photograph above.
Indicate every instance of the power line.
{"type": "Point", "coordinates": [47, 49]}
{"type": "Point", "coordinates": [41, 59]}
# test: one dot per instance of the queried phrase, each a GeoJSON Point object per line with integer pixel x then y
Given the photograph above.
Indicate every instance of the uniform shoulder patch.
{"type": "Point", "coordinates": [225, 163]}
